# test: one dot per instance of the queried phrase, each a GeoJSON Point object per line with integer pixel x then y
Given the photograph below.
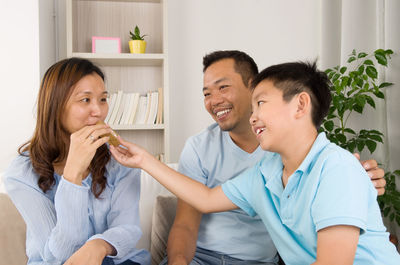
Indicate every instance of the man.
{"type": "Point", "coordinates": [220, 152]}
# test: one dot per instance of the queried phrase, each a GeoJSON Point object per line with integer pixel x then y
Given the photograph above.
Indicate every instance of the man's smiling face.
{"type": "Point", "coordinates": [226, 97]}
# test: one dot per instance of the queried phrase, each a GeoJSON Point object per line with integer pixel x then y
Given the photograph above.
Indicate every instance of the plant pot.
{"type": "Point", "coordinates": [137, 46]}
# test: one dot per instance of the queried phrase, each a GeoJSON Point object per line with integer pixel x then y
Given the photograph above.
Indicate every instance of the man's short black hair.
{"type": "Point", "coordinates": [295, 77]}
{"type": "Point", "coordinates": [244, 64]}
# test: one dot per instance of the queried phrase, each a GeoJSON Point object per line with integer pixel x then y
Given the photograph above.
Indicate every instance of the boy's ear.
{"type": "Point", "coordinates": [303, 104]}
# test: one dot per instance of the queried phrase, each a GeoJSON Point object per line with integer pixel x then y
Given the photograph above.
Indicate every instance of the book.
{"type": "Point", "coordinates": [141, 112]}
{"type": "Point", "coordinates": [160, 106]}
{"type": "Point", "coordinates": [120, 109]}
{"type": "Point", "coordinates": [134, 108]}
{"type": "Point", "coordinates": [160, 157]}
{"type": "Point", "coordinates": [116, 107]}
{"type": "Point", "coordinates": [111, 103]}
{"type": "Point", "coordinates": [153, 108]}
{"type": "Point", "coordinates": [148, 107]}
{"type": "Point", "coordinates": [127, 107]}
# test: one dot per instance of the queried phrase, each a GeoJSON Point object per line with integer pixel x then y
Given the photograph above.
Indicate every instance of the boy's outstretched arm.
{"type": "Point", "coordinates": [196, 194]}
{"type": "Point", "coordinates": [337, 245]}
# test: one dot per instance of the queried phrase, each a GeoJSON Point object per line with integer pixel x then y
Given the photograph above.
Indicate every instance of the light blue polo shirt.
{"type": "Point", "coordinates": [329, 188]}
{"type": "Point", "coordinates": [211, 157]}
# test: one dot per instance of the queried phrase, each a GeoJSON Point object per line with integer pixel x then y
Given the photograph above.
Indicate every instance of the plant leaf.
{"type": "Point", "coordinates": [368, 62]}
{"type": "Point", "coordinates": [341, 138]}
{"type": "Point", "coordinates": [389, 51]}
{"type": "Point", "coordinates": [376, 138]}
{"type": "Point", "coordinates": [137, 31]}
{"type": "Point", "coordinates": [351, 146]}
{"type": "Point", "coordinates": [371, 72]}
{"type": "Point", "coordinates": [351, 59]}
{"type": "Point", "coordinates": [385, 84]}
{"type": "Point", "coordinates": [371, 145]}
{"type": "Point", "coordinates": [348, 130]}
{"type": "Point", "coordinates": [379, 94]}
{"type": "Point", "coordinates": [381, 58]}
{"type": "Point", "coordinates": [391, 217]}
{"type": "Point", "coordinates": [370, 101]}
{"type": "Point", "coordinates": [386, 211]}
{"type": "Point", "coordinates": [362, 55]}
{"type": "Point", "coordinates": [360, 145]}
{"type": "Point", "coordinates": [343, 69]}
{"type": "Point", "coordinates": [360, 70]}
{"type": "Point", "coordinates": [328, 125]}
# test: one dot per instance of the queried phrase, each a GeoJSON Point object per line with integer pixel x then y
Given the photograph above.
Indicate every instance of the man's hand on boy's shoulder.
{"type": "Point", "coordinates": [375, 173]}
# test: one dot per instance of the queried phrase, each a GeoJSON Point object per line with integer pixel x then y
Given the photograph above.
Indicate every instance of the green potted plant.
{"type": "Point", "coordinates": [137, 44]}
{"type": "Point", "coordinates": [354, 86]}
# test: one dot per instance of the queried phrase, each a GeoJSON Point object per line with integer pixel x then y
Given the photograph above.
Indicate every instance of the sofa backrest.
{"type": "Point", "coordinates": [149, 191]}
{"type": "Point", "coordinates": [12, 230]}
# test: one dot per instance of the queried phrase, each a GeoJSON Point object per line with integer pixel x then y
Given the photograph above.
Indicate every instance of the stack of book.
{"type": "Point", "coordinates": [134, 108]}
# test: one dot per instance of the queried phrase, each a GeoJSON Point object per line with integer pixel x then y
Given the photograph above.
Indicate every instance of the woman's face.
{"type": "Point", "coordinates": [87, 104]}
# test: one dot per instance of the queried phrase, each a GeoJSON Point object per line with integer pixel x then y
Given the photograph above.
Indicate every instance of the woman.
{"type": "Point", "coordinates": [80, 206]}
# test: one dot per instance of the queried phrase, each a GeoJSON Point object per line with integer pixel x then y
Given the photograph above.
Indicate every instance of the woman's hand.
{"type": "Point", "coordinates": [92, 252]}
{"type": "Point", "coordinates": [130, 156]}
{"type": "Point", "coordinates": [82, 149]}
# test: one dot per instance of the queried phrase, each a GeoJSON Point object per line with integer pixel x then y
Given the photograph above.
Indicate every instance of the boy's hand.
{"type": "Point", "coordinates": [375, 173]}
{"type": "Point", "coordinates": [130, 156]}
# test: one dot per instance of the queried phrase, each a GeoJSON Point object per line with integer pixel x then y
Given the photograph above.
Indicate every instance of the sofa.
{"type": "Point", "coordinates": [157, 212]}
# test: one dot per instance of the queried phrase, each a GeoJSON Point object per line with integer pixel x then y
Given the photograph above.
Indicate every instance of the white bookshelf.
{"type": "Point", "coordinates": [138, 73]}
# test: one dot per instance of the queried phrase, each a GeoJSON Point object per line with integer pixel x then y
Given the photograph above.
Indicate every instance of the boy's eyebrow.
{"type": "Point", "coordinates": [256, 95]}
{"type": "Point", "coordinates": [216, 82]}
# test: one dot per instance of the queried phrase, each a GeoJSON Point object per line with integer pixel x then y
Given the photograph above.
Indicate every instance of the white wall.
{"type": "Point", "coordinates": [19, 74]}
{"type": "Point", "coordinates": [47, 35]}
{"type": "Point", "coordinates": [392, 41]}
{"type": "Point", "coordinates": [269, 31]}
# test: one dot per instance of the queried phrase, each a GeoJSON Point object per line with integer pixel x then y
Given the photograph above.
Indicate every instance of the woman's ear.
{"type": "Point", "coordinates": [303, 104]}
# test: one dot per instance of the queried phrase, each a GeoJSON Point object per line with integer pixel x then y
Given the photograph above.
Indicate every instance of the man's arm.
{"type": "Point", "coordinates": [183, 234]}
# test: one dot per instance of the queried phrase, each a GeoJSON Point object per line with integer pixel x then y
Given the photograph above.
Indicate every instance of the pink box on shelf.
{"type": "Point", "coordinates": [106, 45]}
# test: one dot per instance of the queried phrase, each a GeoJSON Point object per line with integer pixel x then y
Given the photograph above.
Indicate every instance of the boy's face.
{"type": "Point", "coordinates": [226, 97]}
{"type": "Point", "coordinates": [272, 117]}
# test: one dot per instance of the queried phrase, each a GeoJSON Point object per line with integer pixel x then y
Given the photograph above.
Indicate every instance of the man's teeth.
{"type": "Point", "coordinates": [259, 130]}
{"type": "Point", "coordinates": [222, 112]}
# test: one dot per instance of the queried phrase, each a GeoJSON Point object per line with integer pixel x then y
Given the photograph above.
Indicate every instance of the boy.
{"type": "Point", "coordinates": [314, 209]}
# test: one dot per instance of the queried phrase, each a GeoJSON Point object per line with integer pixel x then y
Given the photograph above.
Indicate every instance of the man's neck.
{"type": "Point", "coordinates": [244, 139]}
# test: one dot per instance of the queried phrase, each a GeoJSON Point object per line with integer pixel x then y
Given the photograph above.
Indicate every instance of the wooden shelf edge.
{"type": "Point", "coordinates": [138, 127]}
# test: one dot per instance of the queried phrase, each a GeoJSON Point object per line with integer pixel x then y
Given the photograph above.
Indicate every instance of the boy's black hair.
{"type": "Point", "coordinates": [244, 64]}
{"type": "Point", "coordinates": [295, 77]}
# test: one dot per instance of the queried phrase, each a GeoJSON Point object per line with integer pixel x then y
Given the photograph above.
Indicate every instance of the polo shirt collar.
{"type": "Point", "coordinates": [320, 143]}
{"type": "Point", "coordinates": [271, 166]}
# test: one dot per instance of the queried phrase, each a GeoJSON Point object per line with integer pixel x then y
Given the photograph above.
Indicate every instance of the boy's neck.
{"type": "Point", "coordinates": [297, 149]}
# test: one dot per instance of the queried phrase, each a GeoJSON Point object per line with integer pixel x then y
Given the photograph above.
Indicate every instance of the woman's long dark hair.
{"type": "Point", "coordinates": [50, 141]}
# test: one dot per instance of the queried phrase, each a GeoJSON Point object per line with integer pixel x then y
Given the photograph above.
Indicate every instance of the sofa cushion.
{"type": "Point", "coordinates": [13, 233]}
{"type": "Point", "coordinates": [149, 190]}
{"type": "Point", "coordinates": [163, 217]}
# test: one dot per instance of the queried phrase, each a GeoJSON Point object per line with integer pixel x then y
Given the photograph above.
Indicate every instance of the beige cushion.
{"type": "Point", "coordinates": [149, 190]}
{"type": "Point", "coordinates": [13, 233]}
{"type": "Point", "coordinates": [163, 217]}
